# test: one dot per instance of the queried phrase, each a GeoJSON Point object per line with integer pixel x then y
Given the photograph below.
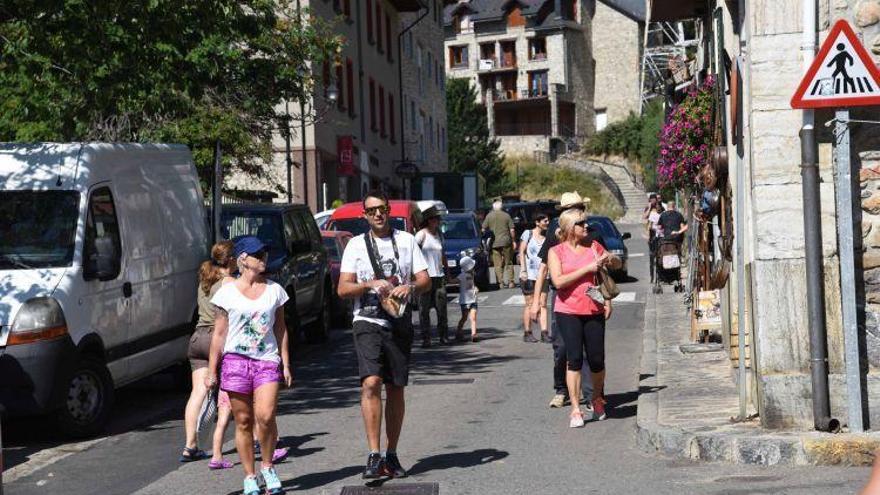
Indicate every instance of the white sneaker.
{"type": "Point", "coordinates": [558, 400]}
{"type": "Point", "coordinates": [576, 420]}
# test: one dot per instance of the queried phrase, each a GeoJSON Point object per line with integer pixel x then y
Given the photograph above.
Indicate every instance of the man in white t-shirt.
{"type": "Point", "coordinates": [382, 270]}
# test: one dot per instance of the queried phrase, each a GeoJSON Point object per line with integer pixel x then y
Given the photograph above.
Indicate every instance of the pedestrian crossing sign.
{"type": "Point", "coordinates": [842, 75]}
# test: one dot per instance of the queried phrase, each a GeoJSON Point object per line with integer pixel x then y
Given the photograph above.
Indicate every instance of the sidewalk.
{"type": "Point", "coordinates": [686, 403]}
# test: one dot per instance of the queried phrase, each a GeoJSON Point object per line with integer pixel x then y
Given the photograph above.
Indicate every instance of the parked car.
{"type": "Point", "coordinates": [100, 246]}
{"type": "Point", "coordinates": [524, 212]}
{"type": "Point", "coordinates": [297, 260]}
{"type": "Point", "coordinates": [335, 242]}
{"type": "Point", "coordinates": [405, 215]}
{"type": "Point", "coordinates": [462, 237]}
{"type": "Point", "coordinates": [321, 218]}
{"type": "Point", "coordinates": [611, 239]}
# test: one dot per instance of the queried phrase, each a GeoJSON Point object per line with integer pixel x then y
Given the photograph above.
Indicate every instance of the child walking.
{"type": "Point", "coordinates": [467, 298]}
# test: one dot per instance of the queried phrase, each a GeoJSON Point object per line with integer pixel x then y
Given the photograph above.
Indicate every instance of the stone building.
{"type": "Point", "coordinates": [352, 144]}
{"type": "Point", "coordinates": [532, 65]}
{"type": "Point", "coordinates": [423, 113]}
{"type": "Point", "coordinates": [764, 37]}
{"type": "Point", "coordinates": [618, 29]}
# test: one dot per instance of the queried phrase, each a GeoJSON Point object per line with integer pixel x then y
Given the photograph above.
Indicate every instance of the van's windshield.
{"type": "Point", "coordinates": [37, 228]}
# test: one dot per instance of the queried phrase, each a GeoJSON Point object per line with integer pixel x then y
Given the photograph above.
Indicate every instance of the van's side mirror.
{"type": "Point", "coordinates": [626, 235]}
{"type": "Point", "coordinates": [105, 260]}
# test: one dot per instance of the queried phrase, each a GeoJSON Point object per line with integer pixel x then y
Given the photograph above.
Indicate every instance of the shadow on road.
{"type": "Point", "coordinates": [440, 462]}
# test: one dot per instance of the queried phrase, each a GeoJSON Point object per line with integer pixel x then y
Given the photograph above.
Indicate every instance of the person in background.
{"type": "Point", "coordinates": [655, 232]}
{"type": "Point", "coordinates": [250, 345]}
{"type": "Point", "coordinates": [211, 275]}
{"type": "Point", "coordinates": [467, 298]}
{"type": "Point", "coordinates": [530, 263]}
{"type": "Point", "coordinates": [580, 310]}
{"type": "Point", "coordinates": [382, 270]}
{"type": "Point", "coordinates": [430, 240]}
{"type": "Point", "coordinates": [673, 223]}
{"type": "Point", "coordinates": [500, 224]}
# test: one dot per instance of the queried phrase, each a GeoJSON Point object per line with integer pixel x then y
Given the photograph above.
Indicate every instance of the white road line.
{"type": "Point", "coordinates": [516, 300]}
{"type": "Point", "coordinates": [635, 255]}
{"type": "Point", "coordinates": [480, 299]}
{"type": "Point", "coordinates": [625, 297]}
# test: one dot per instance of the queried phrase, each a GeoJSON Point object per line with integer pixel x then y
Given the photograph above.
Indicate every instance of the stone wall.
{"type": "Point", "coordinates": [617, 41]}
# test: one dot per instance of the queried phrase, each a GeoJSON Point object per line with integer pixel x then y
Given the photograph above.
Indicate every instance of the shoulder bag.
{"type": "Point", "coordinates": [607, 285]}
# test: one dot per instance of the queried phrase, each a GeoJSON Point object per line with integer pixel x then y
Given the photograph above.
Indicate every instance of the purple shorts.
{"type": "Point", "coordinates": [242, 375]}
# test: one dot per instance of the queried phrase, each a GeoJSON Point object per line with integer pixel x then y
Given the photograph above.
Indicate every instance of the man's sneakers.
{"type": "Point", "coordinates": [378, 466]}
{"type": "Point", "coordinates": [392, 467]}
{"type": "Point", "coordinates": [545, 338]}
{"type": "Point", "coordinates": [558, 400]}
{"type": "Point", "coordinates": [374, 467]}
{"type": "Point", "coordinates": [273, 484]}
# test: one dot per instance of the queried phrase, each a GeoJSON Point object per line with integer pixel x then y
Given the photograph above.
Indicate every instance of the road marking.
{"type": "Point", "coordinates": [480, 299]}
{"type": "Point", "coordinates": [516, 300]}
{"type": "Point", "coordinates": [625, 297]}
{"type": "Point", "coordinates": [635, 255]}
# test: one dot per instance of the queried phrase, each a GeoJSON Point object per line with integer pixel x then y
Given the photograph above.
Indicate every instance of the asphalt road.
{"type": "Point", "coordinates": [477, 422]}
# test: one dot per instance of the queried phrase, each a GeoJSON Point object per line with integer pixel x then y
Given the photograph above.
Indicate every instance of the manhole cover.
{"type": "Point", "coordinates": [442, 381]}
{"type": "Point", "coordinates": [395, 489]}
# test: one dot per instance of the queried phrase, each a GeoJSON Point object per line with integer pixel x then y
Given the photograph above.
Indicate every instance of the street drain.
{"type": "Point", "coordinates": [395, 489]}
{"type": "Point", "coordinates": [442, 381]}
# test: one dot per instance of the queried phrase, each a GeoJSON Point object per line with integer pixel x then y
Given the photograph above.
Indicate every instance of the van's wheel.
{"type": "Point", "coordinates": [87, 401]}
{"type": "Point", "coordinates": [318, 330]}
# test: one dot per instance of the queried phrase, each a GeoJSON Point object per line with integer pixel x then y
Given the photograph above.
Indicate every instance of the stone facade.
{"type": "Point", "coordinates": [774, 215]}
{"type": "Point", "coordinates": [534, 74]}
{"type": "Point", "coordinates": [424, 89]}
{"type": "Point", "coordinates": [368, 63]}
{"type": "Point", "coordinates": [617, 41]}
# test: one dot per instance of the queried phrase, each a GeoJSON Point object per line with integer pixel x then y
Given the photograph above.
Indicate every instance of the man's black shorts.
{"type": "Point", "coordinates": [383, 351]}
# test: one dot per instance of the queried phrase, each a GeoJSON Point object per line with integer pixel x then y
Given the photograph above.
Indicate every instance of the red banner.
{"type": "Point", "coordinates": [345, 156]}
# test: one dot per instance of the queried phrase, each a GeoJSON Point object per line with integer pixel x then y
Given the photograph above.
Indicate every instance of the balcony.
{"type": "Point", "coordinates": [522, 128]}
{"type": "Point", "coordinates": [408, 5]}
{"type": "Point", "coordinates": [489, 65]}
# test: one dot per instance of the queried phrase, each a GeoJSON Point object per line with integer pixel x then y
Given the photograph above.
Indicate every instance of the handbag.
{"type": "Point", "coordinates": [208, 415]}
{"type": "Point", "coordinates": [607, 285]}
{"type": "Point", "coordinates": [394, 307]}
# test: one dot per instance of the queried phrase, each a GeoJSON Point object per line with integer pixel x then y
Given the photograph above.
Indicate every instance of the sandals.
{"type": "Point", "coordinates": [223, 464]}
{"type": "Point", "coordinates": [191, 455]}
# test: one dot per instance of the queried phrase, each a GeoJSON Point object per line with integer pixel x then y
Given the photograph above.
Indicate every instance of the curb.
{"type": "Point", "coordinates": [732, 444]}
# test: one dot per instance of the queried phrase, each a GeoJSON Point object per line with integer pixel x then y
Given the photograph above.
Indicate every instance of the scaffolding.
{"type": "Point", "coordinates": [668, 52]}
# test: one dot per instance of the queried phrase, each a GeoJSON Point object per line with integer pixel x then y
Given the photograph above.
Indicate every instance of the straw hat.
{"type": "Point", "coordinates": [571, 199]}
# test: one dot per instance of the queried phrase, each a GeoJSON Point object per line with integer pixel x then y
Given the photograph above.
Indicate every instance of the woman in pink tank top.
{"type": "Point", "coordinates": [579, 308]}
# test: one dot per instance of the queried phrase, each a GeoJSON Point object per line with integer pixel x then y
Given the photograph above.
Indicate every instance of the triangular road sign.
{"type": "Point", "coordinates": [842, 74]}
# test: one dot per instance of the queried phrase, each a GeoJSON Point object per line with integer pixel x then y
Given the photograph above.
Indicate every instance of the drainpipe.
{"type": "Point", "coordinates": [822, 419]}
{"type": "Point", "coordinates": [400, 81]}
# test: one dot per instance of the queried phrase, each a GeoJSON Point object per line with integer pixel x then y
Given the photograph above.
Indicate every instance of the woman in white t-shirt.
{"type": "Point", "coordinates": [250, 339]}
{"type": "Point", "coordinates": [430, 240]}
{"type": "Point", "coordinates": [530, 263]}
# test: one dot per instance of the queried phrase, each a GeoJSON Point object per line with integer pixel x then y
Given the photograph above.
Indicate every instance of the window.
{"type": "Point", "coordinates": [443, 139]}
{"type": "Point", "coordinates": [102, 237]}
{"type": "Point", "coordinates": [412, 115]}
{"type": "Point", "coordinates": [508, 54]}
{"type": "Point", "coordinates": [37, 228]}
{"type": "Point", "coordinates": [431, 131]}
{"type": "Point", "coordinates": [372, 105]}
{"type": "Point", "coordinates": [346, 9]}
{"type": "Point", "coordinates": [420, 55]}
{"type": "Point", "coordinates": [601, 119]}
{"type": "Point", "coordinates": [388, 43]}
{"type": "Point", "coordinates": [538, 84]}
{"type": "Point", "coordinates": [409, 44]}
{"type": "Point", "coordinates": [349, 79]}
{"type": "Point", "coordinates": [340, 83]}
{"type": "Point", "coordinates": [430, 66]}
{"type": "Point", "coordinates": [382, 111]}
{"type": "Point", "coordinates": [391, 117]}
{"type": "Point", "coordinates": [379, 25]}
{"type": "Point", "coordinates": [458, 57]}
{"type": "Point", "coordinates": [537, 49]}
{"type": "Point", "coordinates": [370, 20]}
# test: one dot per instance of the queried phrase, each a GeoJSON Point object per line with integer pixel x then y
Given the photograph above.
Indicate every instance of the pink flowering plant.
{"type": "Point", "coordinates": [686, 139]}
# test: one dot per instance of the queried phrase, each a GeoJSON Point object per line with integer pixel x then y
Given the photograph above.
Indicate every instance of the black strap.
{"type": "Point", "coordinates": [373, 253]}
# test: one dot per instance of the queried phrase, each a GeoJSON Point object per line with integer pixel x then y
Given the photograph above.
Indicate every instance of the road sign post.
{"type": "Point", "coordinates": [843, 75]}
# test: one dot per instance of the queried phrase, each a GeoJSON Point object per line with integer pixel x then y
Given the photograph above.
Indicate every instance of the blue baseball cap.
{"type": "Point", "coordinates": [248, 244]}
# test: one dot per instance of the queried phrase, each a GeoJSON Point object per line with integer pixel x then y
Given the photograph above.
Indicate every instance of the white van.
{"type": "Point", "coordinates": [100, 246]}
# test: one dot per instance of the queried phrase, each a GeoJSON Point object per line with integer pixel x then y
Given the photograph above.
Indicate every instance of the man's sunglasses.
{"type": "Point", "coordinates": [371, 211]}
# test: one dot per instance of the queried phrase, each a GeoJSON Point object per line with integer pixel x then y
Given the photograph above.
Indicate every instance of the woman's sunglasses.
{"type": "Point", "coordinates": [262, 253]}
{"type": "Point", "coordinates": [371, 211]}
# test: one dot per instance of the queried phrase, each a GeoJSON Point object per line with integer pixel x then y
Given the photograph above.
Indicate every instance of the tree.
{"type": "Point", "coordinates": [471, 148]}
{"type": "Point", "coordinates": [156, 70]}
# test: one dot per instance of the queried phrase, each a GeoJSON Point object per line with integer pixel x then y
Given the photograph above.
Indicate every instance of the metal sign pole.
{"type": "Point", "coordinates": [847, 270]}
